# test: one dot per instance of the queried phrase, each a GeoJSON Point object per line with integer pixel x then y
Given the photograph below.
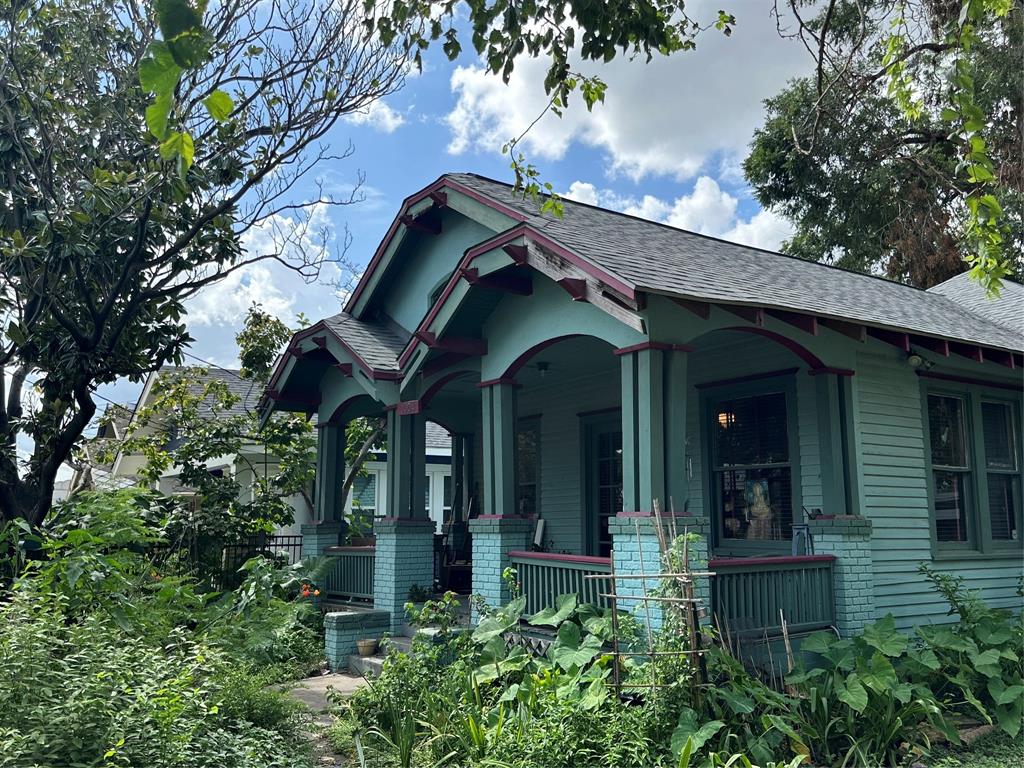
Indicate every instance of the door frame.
{"type": "Point", "coordinates": [592, 424]}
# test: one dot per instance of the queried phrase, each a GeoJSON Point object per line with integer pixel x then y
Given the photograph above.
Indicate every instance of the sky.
{"type": "Point", "coordinates": [667, 144]}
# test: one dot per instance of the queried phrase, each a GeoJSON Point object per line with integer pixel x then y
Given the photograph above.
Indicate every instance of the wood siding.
{"type": "Point", "coordinates": [890, 432]}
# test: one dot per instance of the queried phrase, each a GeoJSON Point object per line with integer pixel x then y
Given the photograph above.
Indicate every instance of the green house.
{"type": "Point", "coordinates": [823, 431]}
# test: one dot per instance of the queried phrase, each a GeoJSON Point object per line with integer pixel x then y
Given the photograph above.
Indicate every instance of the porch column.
{"type": "Point", "coordinates": [654, 467]}
{"type": "Point", "coordinates": [405, 535]}
{"type": "Point", "coordinates": [498, 530]}
{"type": "Point", "coordinates": [328, 524]}
{"type": "Point", "coordinates": [848, 538]}
{"type": "Point", "coordinates": [499, 446]}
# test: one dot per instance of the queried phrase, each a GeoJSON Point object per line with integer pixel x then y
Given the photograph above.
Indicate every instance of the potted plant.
{"type": "Point", "coordinates": [367, 646]}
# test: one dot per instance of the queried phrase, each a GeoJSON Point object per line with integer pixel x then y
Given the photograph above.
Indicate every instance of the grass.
{"type": "Point", "coordinates": [994, 750]}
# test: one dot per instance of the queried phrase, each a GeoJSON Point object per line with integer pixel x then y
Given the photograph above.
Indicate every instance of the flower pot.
{"type": "Point", "coordinates": [367, 647]}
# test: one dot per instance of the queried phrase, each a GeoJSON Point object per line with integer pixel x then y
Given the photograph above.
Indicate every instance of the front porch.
{"type": "Point", "coordinates": [557, 463]}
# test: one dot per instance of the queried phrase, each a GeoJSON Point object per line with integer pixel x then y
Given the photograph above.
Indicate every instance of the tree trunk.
{"type": "Point", "coordinates": [357, 464]}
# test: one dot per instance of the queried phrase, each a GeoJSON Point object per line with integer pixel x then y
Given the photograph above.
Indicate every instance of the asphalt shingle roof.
{"type": "Point", "coordinates": [376, 344]}
{"type": "Point", "coordinates": [1007, 310]}
{"type": "Point", "coordinates": [662, 259]}
{"type": "Point", "coordinates": [247, 391]}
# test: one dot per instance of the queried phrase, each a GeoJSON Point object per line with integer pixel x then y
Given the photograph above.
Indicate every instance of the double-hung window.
{"type": "Point", "coordinates": [975, 470]}
{"type": "Point", "coordinates": [528, 466]}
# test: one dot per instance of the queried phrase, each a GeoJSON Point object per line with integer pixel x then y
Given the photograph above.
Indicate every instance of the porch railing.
{"type": "Point", "coordinates": [351, 575]}
{"type": "Point", "coordinates": [546, 575]}
{"type": "Point", "coordinates": [748, 593]}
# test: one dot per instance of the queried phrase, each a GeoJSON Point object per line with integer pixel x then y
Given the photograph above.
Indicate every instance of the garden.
{"type": "Point", "coordinates": [116, 650]}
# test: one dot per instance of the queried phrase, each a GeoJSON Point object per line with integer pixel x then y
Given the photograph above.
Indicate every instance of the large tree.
{"type": "Point", "coordinates": [892, 157]}
{"type": "Point", "coordinates": [119, 201]}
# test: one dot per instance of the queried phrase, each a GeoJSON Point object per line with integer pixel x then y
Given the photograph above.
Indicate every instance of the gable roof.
{"type": "Point", "coordinates": [246, 391]}
{"type": "Point", "coordinates": [654, 257]}
{"type": "Point", "coordinates": [1007, 310]}
{"type": "Point", "coordinates": [375, 344]}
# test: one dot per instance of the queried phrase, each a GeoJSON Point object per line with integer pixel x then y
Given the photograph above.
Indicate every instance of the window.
{"type": "Point", "coordinates": [752, 473]}
{"type": "Point", "coordinates": [975, 470]}
{"type": "Point", "coordinates": [950, 470]}
{"type": "Point", "coordinates": [528, 466]}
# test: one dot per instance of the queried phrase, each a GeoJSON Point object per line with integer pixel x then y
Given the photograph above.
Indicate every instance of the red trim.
{"type": "Point", "coordinates": [418, 225]}
{"type": "Point", "coordinates": [348, 548]}
{"type": "Point", "coordinates": [812, 360]}
{"type": "Point", "coordinates": [334, 419]}
{"type": "Point", "coordinates": [517, 364]}
{"type": "Point", "coordinates": [585, 559]}
{"type": "Point", "coordinates": [969, 380]}
{"type": "Point", "coordinates": [503, 517]}
{"type": "Point", "coordinates": [749, 377]}
{"type": "Point", "coordinates": [940, 346]}
{"type": "Point", "coordinates": [700, 308]}
{"type": "Point", "coordinates": [409, 408]}
{"type": "Point", "coordinates": [734, 562]}
{"type": "Point", "coordinates": [576, 287]}
{"type": "Point", "coordinates": [836, 371]}
{"type": "Point", "coordinates": [684, 516]}
{"type": "Point", "coordinates": [414, 198]}
{"type": "Point", "coordinates": [853, 331]}
{"type": "Point", "coordinates": [970, 351]}
{"type": "Point", "coordinates": [438, 385]}
{"type": "Point", "coordinates": [896, 338]}
{"type": "Point", "coordinates": [344, 368]}
{"type": "Point", "coordinates": [645, 345]}
{"type": "Point", "coordinates": [517, 253]}
{"type": "Point", "coordinates": [806, 323]}
{"type": "Point", "coordinates": [753, 315]}
{"type": "Point", "coordinates": [495, 382]}
{"type": "Point", "coordinates": [1001, 357]}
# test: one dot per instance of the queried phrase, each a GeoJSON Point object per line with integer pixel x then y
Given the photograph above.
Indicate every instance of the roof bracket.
{"type": "Point", "coordinates": [896, 338]}
{"type": "Point", "coordinates": [700, 308]}
{"type": "Point", "coordinates": [938, 346]}
{"type": "Point", "coordinates": [517, 253]}
{"type": "Point", "coordinates": [517, 284]}
{"type": "Point", "coordinates": [853, 331]}
{"type": "Point", "coordinates": [753, 315]}
{"type": "Point", "coordinates": [420, 224]}
{"type": "Point", "coordinates": [806, 323]}
{"type": "Point", "coordinates": [576, 287]}
{"type": "Point", "coordinates": [970, 351]}
{"type": "Point", "coordinates": [457, 344]}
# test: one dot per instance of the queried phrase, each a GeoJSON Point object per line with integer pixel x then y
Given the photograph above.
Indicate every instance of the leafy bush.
{"type": "Point", "coordinates": [89, 693]}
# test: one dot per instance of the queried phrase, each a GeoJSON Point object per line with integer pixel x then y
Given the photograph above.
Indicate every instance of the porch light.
{"type": "Point", "coordinates": [542, 368]}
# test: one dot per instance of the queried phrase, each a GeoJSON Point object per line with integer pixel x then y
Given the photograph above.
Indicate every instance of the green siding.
{"type": "Point", "coordinates": [894, 496]}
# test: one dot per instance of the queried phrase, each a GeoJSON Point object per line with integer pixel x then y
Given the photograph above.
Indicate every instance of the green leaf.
{"type": "Point", "coordinates": [178, 144]}
{"type": "Point", "coordinates": [177, 16]}
{"type": "Point", "coordinates": [819, 642]}
{"type": "Point", "coordinates": [852, 693]}
{"type": "Point", "coordinates": [552, 616]}
{"type": "Point", "coordinates": [739, 703]}
{"type": "Point", "coordinates": [158, 72]}
{"type": "Point", "coordinates": [987, 662]}
{"type": "Point", "coordinates": [1009, 716]}
{"type": "Point", "coordinates": [74, 572]}
{"type": "Point", "coordinates": [690, 729]}
{"type": "Point", "coordinates": [568, 652]}
{"type": "Point", "coordinates": [219, 105]}
{"type": "Point", "coordinates": [883, 636]}
{"type": "Point", "coordinates": [879, 674]}
{"type": "Point", "coordinates": [157, 116]}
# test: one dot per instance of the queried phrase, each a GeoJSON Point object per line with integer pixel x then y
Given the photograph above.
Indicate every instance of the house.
{"type": "Point", "coordinates": [824, 431]}
{"type": "Point", "coordinates": [247, 465]}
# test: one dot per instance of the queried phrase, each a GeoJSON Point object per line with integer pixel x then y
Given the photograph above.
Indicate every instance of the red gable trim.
{"type": "Point", "coordinates": [433, 191]}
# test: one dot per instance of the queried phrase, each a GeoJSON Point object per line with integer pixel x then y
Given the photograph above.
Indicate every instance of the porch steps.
{"type": "Point", "coordinates": [371, 666]}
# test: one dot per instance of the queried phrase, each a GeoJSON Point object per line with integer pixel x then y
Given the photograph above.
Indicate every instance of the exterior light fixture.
{"type": "Point", "coordinates": [914, 360]}
{"type": "Point", "coordinates": [542, 368]}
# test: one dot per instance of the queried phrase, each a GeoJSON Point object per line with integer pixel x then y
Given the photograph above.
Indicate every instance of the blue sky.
{"type": "Point", "coordinates": [666, 145]}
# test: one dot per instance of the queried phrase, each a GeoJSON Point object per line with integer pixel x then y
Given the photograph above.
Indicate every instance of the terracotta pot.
{"type": "Point", "coordinates": [367, 647]}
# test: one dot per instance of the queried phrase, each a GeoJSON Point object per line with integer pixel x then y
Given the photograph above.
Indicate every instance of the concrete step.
{"type": "Point", "coordinates": [401, 643]}
{"type": "Point", "coordinates": [366, 666]}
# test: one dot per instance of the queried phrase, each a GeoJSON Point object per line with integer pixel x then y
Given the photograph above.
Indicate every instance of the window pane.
{"type": "Point", "coordinates": [1000, 451]}
{"type": "Point", "coordinates": [757, 504]}
{"type": "Point", "coordinates": [1003, 495]}
{"type": "Point", "coordinates": [946, 422]}
{"type": "Point", "coordinates": [751, 431]}
{"type": "Point", "coordinates": [951, 506]}
{"type": "Point", "coordinates": [527, 466]}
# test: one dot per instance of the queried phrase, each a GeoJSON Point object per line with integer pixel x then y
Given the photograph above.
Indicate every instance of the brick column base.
{"type": "Point", "coordinates": [316, 537]}
{"type": "Point", "coordinates": [493, 538]}
{"type": "Point", "coordinates": [404, 557]}
{"type": "Point", "coordinates": [848, 538]}
{"type": "Point", "coordinates": [627, 547]}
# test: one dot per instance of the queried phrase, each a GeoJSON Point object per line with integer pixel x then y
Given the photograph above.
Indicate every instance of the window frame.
{"type": "Point", "coordinates": [527, 424]}
{"type": "Point", "coordinates": [710, 397]}
{"type": "Point", "coordinates": [979, 541]}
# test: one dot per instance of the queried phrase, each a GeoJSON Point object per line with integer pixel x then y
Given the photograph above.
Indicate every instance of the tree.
{"type": "Point", "coordinates": [121, 201]}
{"type": "Point", "coordinates": [901, 155]}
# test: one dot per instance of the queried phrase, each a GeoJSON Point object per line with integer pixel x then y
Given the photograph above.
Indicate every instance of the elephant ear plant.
{"type": "Point", "coordinates": [857, 705]}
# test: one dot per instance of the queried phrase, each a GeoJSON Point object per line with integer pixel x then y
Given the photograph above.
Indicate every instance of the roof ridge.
{"type": "Point", "coordinates": [665, 225]}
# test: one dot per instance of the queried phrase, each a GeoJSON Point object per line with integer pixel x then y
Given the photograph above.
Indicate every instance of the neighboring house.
{"type": "Point", "coordinates": [245, 466]}
{"type": "Point", "coordinates": [594, 365]}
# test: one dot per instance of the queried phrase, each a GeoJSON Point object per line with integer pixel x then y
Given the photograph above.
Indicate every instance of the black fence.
{"type": "Point", "coordinates": [223, 569]}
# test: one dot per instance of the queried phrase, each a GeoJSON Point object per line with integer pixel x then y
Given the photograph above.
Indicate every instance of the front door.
{"type": "Point", "coordinates": [602, 479]}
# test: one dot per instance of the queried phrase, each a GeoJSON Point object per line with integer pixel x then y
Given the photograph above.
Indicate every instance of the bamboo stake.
{"type": "Point", "coordinates": [615, 629]}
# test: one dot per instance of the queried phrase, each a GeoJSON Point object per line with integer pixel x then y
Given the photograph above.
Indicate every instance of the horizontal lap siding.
{"type": "Point", "coordinates": [559, 405]}
{"type": "Point", "coordinates": [894, 495]}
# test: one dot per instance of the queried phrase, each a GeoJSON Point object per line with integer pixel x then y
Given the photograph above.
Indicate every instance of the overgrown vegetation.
{"type": "Point", "coordinates": [108, 657]}
{"type": "Point", "coordinates": [483, 699]}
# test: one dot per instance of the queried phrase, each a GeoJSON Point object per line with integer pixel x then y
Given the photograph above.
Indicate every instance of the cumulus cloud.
{"type": "Point", "coordinates": [379, 115]}
{"type": "Point", "coordinates": [227, 301]}
{"type": "Point", "coordinates": [707, 209]}
{"type": "Point", "coordinates": [666, 118]}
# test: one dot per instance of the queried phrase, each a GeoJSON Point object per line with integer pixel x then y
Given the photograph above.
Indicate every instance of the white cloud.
{"type": "Point", "coordinates": [226, 301]}
{"type": "Point", "coordinates": [378, 115]}
{"type": "Point", "coordinates": [708, 209]}
{"type": "Point", "coordinates": [665, 118]}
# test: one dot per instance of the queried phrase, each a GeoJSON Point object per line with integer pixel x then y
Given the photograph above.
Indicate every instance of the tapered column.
{"type": "Point", "coordinates": [653, 427]}
{"type": "Point", "coordinates": [499, 442]}
{"type": "Point", "coordinates": [406, 465]}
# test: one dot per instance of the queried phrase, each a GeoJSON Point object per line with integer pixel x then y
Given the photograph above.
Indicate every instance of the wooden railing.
{"type": "Point", "coordinates": [546, 575]}
{"type": "Point", "coordinates": [351, 575]}
{"type": "Point", "coordinates": [748, 593]}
